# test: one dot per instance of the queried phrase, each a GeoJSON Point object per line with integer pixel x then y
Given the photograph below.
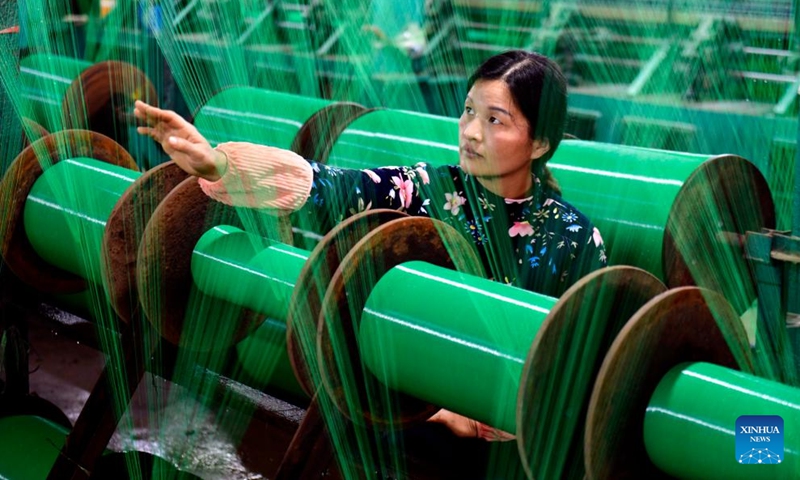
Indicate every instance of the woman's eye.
{"type": "Point", "coordinates": [494, 121]}
{"type": "Point", "coordinates": [469, 110]}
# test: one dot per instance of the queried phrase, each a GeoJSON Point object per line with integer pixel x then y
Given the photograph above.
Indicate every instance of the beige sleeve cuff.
{"type": "Point", "coordinates": [261, 177]}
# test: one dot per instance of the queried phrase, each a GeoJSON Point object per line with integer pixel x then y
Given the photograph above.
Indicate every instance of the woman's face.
{"type": "Point", "coordinates": [494, 140]}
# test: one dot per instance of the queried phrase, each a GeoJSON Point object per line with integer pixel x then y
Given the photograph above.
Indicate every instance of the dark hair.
{"type": "Point", "coordinates": [540, 91]}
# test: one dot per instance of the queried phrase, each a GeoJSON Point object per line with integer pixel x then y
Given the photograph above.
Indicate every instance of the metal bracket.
{"type": "Point", "coordinates": [257, 23]}
{"type": "Point", "coordinates": [774, 256]}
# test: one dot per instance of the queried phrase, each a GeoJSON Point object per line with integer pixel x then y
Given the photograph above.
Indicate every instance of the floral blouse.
{"type": "Point", "coordinates": [540, 243]}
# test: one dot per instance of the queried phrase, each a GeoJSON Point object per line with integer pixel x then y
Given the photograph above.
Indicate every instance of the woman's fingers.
{"type": "Point", "coordinates": [150, 132]}
{"type": "Point", "coordinates": [161, 124]}
{"type": "Point", "coordinates": [145, 112]}
{"type": "Point", "coordinates": [179, 139]}
{"type": "Point", "coordinates": [199, 154]}
{"type": "Point", "coordinates": [153, 115]}
{"type": "Point", "coordinates": [458, 424]}
{"type": "Point", "coordinates": [183, 146]}
{"type": "Point", "coordinates": [172, 141]}
{"type": "Point", "coordinates": [157, 133]}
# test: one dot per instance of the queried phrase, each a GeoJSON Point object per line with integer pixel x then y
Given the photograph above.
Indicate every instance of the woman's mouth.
{"type": "Point", "coordinates": [469, 152]}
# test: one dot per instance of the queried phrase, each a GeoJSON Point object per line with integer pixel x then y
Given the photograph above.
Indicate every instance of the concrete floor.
{"type": "Point", "coordinates": [215, 443]}
{"type": "Point", "coordinates": [164, 419]}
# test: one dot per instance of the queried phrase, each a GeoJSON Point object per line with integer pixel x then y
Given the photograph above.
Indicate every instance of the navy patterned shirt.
{"type": "Point", "coordinates": [540, 243]}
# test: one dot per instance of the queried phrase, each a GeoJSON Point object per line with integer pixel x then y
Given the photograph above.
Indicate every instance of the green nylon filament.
{"type": "Point", "coordinates": [245, 270]}
{"type": "Point", "coordinates": [238, 115]}
{"type": "Point", "coordinates": [627, 192]}
{"type": "Point", "coordinates": [684, 75]}
{"type": "Point", "coordinates": [375, 140]}
{"type": "Point", "coordinates": [639, 197]}
{"type": "Point", "coordinates": [690, 423]}
{"type": "Point", "coordinates": [45, 79]}
{"type": "Point", "coordinates": [233, 265]}
{"type": "Point", "coordinates": [66, 212]}
{"type": "Point", "coordinates": [451, 339]}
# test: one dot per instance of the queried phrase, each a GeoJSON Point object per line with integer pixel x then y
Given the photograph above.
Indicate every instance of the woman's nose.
{"type": "Point", "coordinates": [470, 129]}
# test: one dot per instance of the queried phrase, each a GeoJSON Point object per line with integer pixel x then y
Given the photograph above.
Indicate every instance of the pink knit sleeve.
{"type": "Point", "coordinates": [261, 177]}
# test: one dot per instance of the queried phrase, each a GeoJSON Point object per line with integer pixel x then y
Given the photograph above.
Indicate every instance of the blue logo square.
{"type": "Point", "coordinates": [759, 440]}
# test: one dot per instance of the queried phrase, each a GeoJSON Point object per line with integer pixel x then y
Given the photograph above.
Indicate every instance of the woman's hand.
{"type": "Point", "coordinates": [462, 426]}
{"type": "Point", "coordinates": [181, 141]}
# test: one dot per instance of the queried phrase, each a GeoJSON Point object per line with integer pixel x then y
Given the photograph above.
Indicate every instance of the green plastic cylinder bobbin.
{"type": "Point", "coordinates": [29, 446]}
{"type": "Point", "coordinates": [66, 212]}
{"type": "Point", "coordinates": [690, 423]}
{"type": "Point", "coordinates": [396, 137]}
{"type": "Point", "coordinates": [627, 192]}
{"type": "Point", "coordinates": [249, 271]}
{"type": "Point", "coordinates": [679, 216]}
{"type": "Point", "coordinates": [451, 339]}
{"type": "Point", "coordinates": [237, 115]}
{"type": "Point", "coordinates": [45, 79]}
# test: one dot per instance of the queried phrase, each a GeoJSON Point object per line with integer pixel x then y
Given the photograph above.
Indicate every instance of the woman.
{"type": "Point", "coordinates": [501, 194]}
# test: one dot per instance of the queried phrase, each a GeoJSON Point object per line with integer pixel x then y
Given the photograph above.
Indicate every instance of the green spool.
{"type": "Point", "coordinates": [396, 137]}
{"type": "Point", "coordinates": [451, 339]}
{"type": "Point", "coordinates": [628, 193]}
{"type": "Point", "coordinates": [66, 212]}
{"type": "Point", "coordinates": [45, 79]}
{"type": "Point", "coordinates": [264, 360]}
{"type": "Point", "coordinates": [690, 423]}
{"type": "Point", "coordinates": [679, 216]}
{"type": "Point", "coordinates": [676, 215]}
{"type": "Point", "coordinates": [237, 115]}
{"type": "Point", "coordinates": [29, 447]}
{"type": "Point", "coordinates": [245, 270]}
{"type": "Point", "coordinates": [261, 273]}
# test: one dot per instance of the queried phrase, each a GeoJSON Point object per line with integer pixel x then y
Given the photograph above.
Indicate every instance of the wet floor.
{"type": "Point", "coordinates": [164, 419]}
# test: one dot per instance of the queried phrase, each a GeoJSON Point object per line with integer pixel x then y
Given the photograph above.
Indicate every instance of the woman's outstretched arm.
{"type": "Point", "coordinates": [258, 176]}
{"type": "Point", "coordinates": [239, 174]}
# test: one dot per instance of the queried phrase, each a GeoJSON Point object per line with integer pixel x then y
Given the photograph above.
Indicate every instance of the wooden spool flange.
{"type": "Point", "coordinates": [387, 246]}
{"type": "Point", "coordinates": [16, 186]}
{"type": "Point", "coordinates": [681, 325]}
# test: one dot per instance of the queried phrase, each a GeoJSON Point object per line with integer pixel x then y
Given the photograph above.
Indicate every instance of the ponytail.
{"type": "Point", "coordinates": [549, 180]}
{"type": "Point", "coordinates": [545, 176]}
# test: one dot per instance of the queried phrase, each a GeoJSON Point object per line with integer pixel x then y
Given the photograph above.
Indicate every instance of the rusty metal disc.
{"type": "Point", "coordinates": [338, 358]}
{"type": "Point", "coordinates": [163, 270]}
{"type": "Point", "coordinates": [681, 325]}
{"type": "Point", "coordinates": [562, 363]}
{"type": "Point", "coordinates": [301, 324]}
{"type": "Point", "coordinates": [101, 99]}
{"type": "Point", "coordinates": [316, 137]}
{"type": "Point", "coordinates": [720, 201]}
{"type": "Point", "coordinates": [15, 187]}
{"type": "Point", "coordinates": [124, 228]}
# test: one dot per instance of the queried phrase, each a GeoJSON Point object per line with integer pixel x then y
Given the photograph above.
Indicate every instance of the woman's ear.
{"type": "Point", "coordinates": [540, 147]}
